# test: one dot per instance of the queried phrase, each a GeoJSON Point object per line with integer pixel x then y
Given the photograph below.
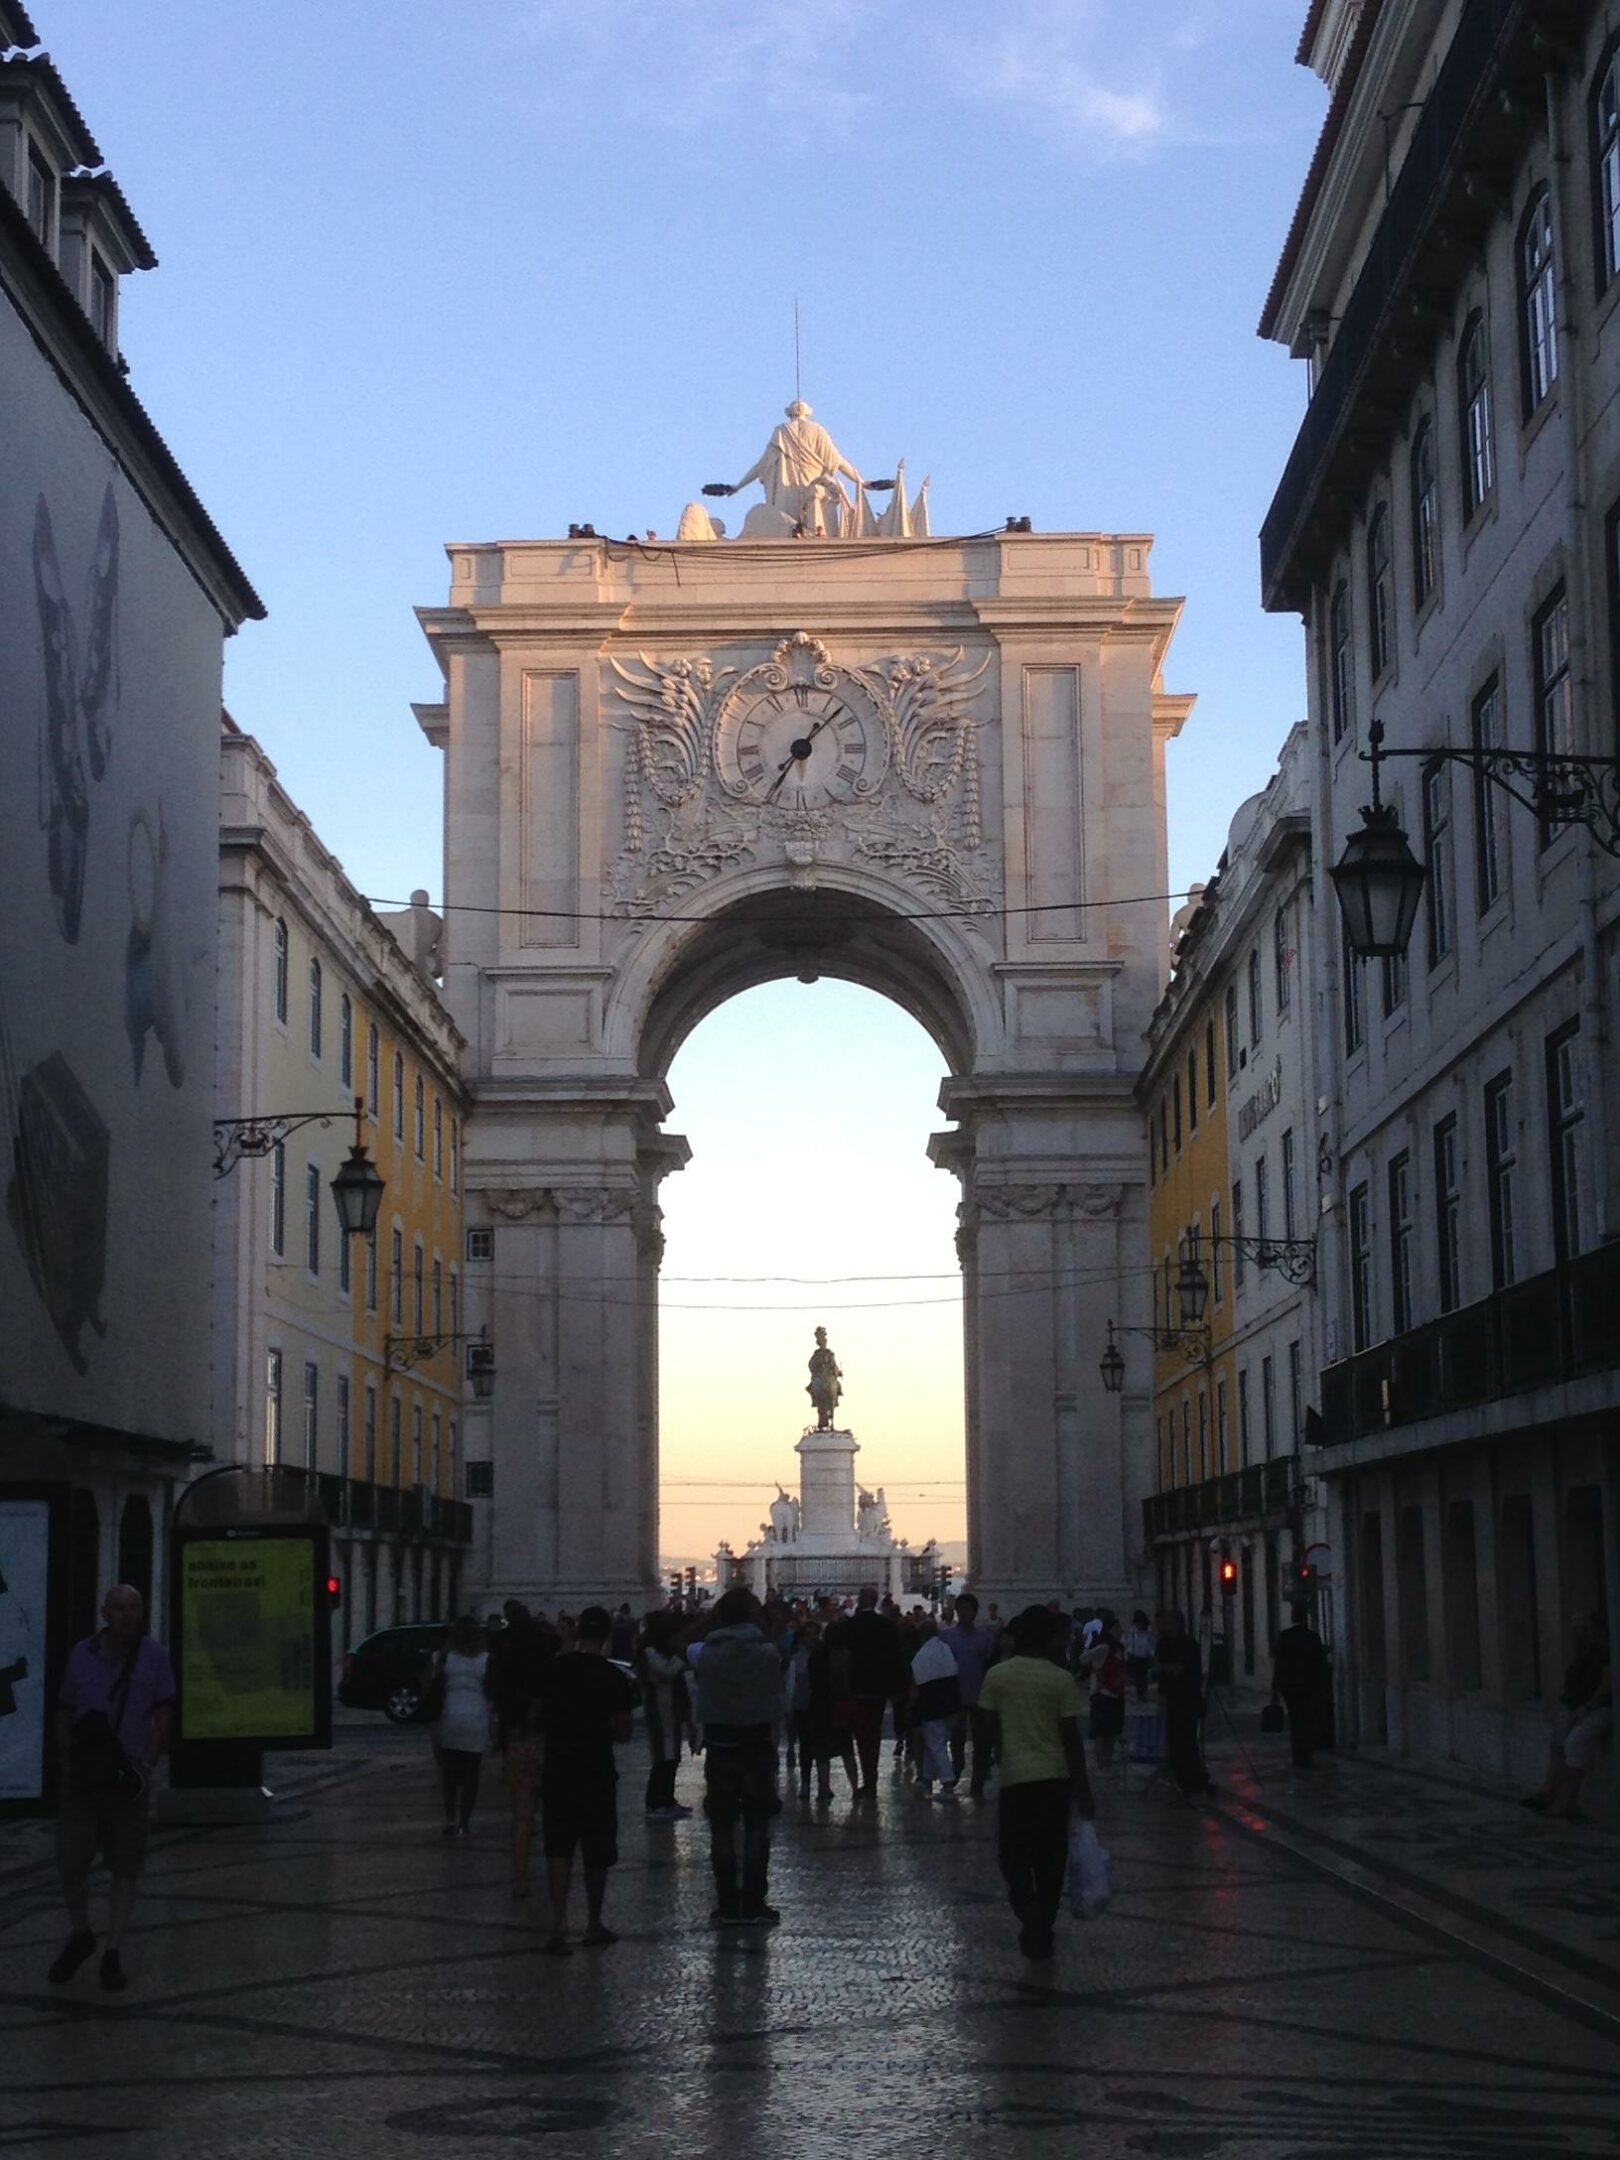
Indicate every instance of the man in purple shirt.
{"type": "Point", "coordinates": [113, 1720]}
{"type": "Point", "coordinates": [973, 1647]}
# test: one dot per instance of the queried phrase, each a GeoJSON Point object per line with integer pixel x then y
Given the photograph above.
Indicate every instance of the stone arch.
{"type": "Point", "coordinates": [850, 930]}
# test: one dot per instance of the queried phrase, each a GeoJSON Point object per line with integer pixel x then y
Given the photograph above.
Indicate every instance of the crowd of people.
{"type": "Point", "coordinates": [812, 1688]}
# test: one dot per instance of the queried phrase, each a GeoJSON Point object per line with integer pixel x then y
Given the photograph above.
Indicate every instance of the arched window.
{"type": "Point", "coordinates": [1425, 514]}
{"type": "Point", "coordinates": [1380, 593]}
{"type": "Point", "coordinates": [1342, 683]}
{"type": "Point", "coordinates": [1474, 414]}
{"type": "Point", "coordinates": [314, 1008]}
{"type": "Point", "coordinates": [1538, 296]}
{"type": "Point", "coordinates": [281, 970]}
{"type": "Point", "coordinates": [1606, 165]}
{"type": "Point", "coordinates": [345, 1041]}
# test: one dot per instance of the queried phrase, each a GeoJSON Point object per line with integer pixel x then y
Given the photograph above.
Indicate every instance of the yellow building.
{"type": "Point", "coordinates": [340, 1359]}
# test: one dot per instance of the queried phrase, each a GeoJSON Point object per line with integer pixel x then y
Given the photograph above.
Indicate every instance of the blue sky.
{"type": "Point", "coordinates": [432, 275]}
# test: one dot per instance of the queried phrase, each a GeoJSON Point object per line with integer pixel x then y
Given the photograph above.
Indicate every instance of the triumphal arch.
{"type": "Point", "coordinates": [833, 744]}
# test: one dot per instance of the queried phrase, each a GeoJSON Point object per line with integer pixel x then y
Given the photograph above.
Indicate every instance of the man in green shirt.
{"type": "Point", "coordinates": [1035, 1706]}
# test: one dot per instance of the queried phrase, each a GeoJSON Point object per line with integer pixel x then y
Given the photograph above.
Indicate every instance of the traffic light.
{"type": "Point", "coordinates": [334, 1593]}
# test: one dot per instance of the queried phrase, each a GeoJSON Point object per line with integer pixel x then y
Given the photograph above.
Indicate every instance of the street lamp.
{"type": "Point", "coordinates": [1192, 1284]}
{"type": "Point", "coordinates": [358, 1187]}
{"type": "Point", "coordinates": [1378, 879]}
{"type": "Point", "coordinates": [1192, 1340]}
{"type": "Point", "coordinates": [1112, 1365]}
{"type": "Point", "coordinates": [403, 1351]}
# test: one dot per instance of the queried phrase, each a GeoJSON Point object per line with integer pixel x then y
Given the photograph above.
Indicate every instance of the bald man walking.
{"type": "Point", "coordinates": [113, 1721]}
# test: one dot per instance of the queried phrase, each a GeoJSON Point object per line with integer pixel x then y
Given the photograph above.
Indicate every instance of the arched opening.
{"type": "Point", "coordinates": [809, 1200]}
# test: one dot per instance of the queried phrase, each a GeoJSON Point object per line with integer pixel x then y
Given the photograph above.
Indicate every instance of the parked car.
{"type": "Point", "coordinates": [388, 1671]}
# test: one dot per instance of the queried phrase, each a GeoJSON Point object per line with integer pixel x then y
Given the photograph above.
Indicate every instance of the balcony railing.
{"type": "Point", "coordinates": [1443, 198]}
{"type": "Point", "coordinates": [1237, 1496]}
{"type": "Point", "coordinates": [353, 1504]}
{"type": "Point", "coordinates": [1553, 1328]}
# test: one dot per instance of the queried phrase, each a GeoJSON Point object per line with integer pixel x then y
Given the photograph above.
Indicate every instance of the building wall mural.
{"type": "Point", "coordinates": [109, 714]}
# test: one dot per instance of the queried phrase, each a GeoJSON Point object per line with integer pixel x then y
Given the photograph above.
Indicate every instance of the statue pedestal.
{"type": "Point", "coordinates": [827, 1486]}
{"type": "Point", "coordinates": [830, 1553]}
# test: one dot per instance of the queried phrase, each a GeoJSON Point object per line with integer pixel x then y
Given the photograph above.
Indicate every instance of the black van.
{"type": "Point", "coordinates": [389, 1671]}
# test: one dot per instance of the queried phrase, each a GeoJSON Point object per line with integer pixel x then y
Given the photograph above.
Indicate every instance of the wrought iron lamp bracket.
{"type": "Point", "coordinates": [1556, 787]}
{"type": "Point", "coordinates": [256, 1136]}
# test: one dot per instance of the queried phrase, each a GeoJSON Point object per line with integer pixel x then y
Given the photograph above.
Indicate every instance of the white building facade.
{"type": "Point", "coordinates": [116, 596]}
{"type": "Point", "coordinates": [339, 1362]}
{"type": "Point", "coordinates": [1448, 525]}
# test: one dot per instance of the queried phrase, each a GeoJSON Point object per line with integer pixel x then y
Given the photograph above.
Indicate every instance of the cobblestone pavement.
{"type": "Point", "coordinates": [1348, 1966]}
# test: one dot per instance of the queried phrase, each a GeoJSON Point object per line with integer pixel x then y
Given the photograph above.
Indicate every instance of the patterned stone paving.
{"type": "Point", "coordinates": [1265, 1987]}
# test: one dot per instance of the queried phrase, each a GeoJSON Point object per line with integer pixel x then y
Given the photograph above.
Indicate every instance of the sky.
{"type": "Point", "coordinates": [434, 275]}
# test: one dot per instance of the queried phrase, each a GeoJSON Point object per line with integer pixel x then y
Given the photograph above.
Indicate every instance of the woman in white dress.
{"type": "Point", "coordinates": [462, 1732]}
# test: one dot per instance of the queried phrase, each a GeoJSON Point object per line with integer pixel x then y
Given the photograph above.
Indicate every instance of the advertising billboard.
{"type": "Point", "coordinates": [33, 1598]}
{"type": "Point", "coordinates": [254, 1660]}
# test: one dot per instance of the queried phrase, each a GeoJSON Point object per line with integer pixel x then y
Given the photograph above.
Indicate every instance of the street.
{"type": "Point", "coordinates": [1366, 1963]}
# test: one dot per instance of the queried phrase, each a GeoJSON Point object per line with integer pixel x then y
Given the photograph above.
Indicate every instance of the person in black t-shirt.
{"type": "Point", "coordinates": [585, 1706]}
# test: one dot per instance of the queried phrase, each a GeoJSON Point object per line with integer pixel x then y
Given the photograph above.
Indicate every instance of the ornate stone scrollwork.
{"type": "Point", "coordinates": [517, 1203]}
{"type": "Point", "coordinates": [1022, 1203]}
{"type": "Point", "coordinates": [595, 1203]}
{"type": "Point", "coordinates": [1099, 1201]}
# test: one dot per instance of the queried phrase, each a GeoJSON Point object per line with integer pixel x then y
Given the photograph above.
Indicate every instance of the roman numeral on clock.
{"type": "Point", "coordinates": [847, 774]}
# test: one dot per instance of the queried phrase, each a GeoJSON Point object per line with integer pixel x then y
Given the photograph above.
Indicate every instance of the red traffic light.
{"type": "Point", "coordinates": [1228, 1574]}
{"type": "Point", "coordinates": [334, 1592]}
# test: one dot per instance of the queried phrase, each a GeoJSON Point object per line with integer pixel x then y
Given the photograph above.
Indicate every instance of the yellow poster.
{"type": "Point", "coordinates": [247, 1669]}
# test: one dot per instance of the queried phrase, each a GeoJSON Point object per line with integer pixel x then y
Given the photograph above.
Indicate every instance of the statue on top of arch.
{"type": "Point", "coordinates": [802, 471]}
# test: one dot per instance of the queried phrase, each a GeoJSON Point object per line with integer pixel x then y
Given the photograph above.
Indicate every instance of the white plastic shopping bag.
{"type": "Point", "coordinates": [1090, 1881]}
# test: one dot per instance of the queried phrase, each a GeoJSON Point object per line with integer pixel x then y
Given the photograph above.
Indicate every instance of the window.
{"type": "Point", "coordinates": [1262, 1196]}
{"type": "Point", "coordinates": [1447, 1216]}
{"type": "Point", "coordinates": [1210, 1083]}
{"type": "Point", "coordinates": [370, 1443]}
{"type": "Point", "coordinates": [279, 940]}
{"type": "Point", "coordinates": [1222, 1436]}
{"type": "Point", "coordinates": [1243, 1416]}
{"type": "Point", "coordinates": [396, 1451]}
{"type": "Point", "coordinates": [1425, 514]}
{"type": "Point", "coordinates": [1233, 1052]}
{"type": "Point", "coordinates": [1237, 1233]}
{"type": "Point", "coordinates": [1538, 302]}
{"type": "Point", "coordinates": [416, 1288]}
{"type": "Point", "coordinates": [1400, 1242]}
{"type": "Point", "coordinates": [480, 1481]}
{"type": "Point", "coordinates": [314, 1008]}
{"type": "Point", "coordinates": [1164, 1134]}
{"type": "Point", "coordinates": [373, 1058]}
{"type": "Point", "coordinates": [1255, 1013]}
{"type": "Point", "coordinates": [1555, 708]}
{"type": "Point", "coordinates": [1606, 167]}
{"type": "Point", "coordinates": [1565, 1111]}
{"type": "Point", "coordinates": [416, 1443]}
{"type": "Point", "coordinates": [1394, 977]}
{"type": "Point", "coordinates": [103, 302]}
{"type": "Point", "coordinates": [41, 198]}
{"type": "Point", "coordinates": [1355, 1025]}
{"type": "Point", "coordinates": [1380, 594]}
{"type": "Point", "coordinates": [1474, 414]}
{"type": "Point", "coordinates": [1290, 1206]}
{"type": "Point", "coordinates": [450, 1467]}
{"type": "Point", "coordinates": [344, 1467]}
{"type": "Point", "coordinates": [1282, 960]}
{"type": "Point", "coordinates": [399, 1097]}
{"type": "Point", "coordinates": [455, 1303]}
{"type": "Point", "coordinates": [1341, 662]}
{"type": "Point", "coordinates": [1268, 1408]}
{"type": "Point", "coordinates": [1175, 1110]}
{"type": "Point", "coordinates": [345, 1260]}
{"type": "Point", "coordinates": [345, 1041]}
{"type": "Point", "coordinates": [312, 1398]}
{"type": "Point", "coordinates": [1437, 850]}
{"type": "Point", "coordinates": [1296, 1396]}
{"type": "Point", "coordinates": [278, 1197]}
{"type": "Point", "coordinates": [419, 1120]}
{"type": "Point", "coordinates": [438, 1295]}
{"type": "Point", "coordinates": [1360, 1268]}
{"type": "Point", "coordinates": [438, 1450]}
{"type": "Point", "coordinates": [396, 1282]}
{"type": "Point", "coordinates": [371, 1269]}
{"type": "Point", "coordinates": [312, 1217]}
{"type": "Point", "coordinates": [1186, 1441]}
{"type": "Point", "coordinates": [1501, 1164]}
{"type": "Point", "coordinates": [272, 1406]}
{"type": "Point", "coordinates": [1203, 1434]}
{"type": "Point", "coordinates": [1192, 1091]}
{"type": "Point", "coordinates": [438, 1136]}
{"type": "Point", "coordinates": [455, 1154]}
{"type": "Point", "coordinates": [1216, 1274]}
{"type": "Point", "coordinates": [1490, 818]}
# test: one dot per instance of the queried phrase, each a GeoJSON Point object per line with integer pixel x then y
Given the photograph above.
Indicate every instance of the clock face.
{"type": "Point", "coordinates": [800, 748]}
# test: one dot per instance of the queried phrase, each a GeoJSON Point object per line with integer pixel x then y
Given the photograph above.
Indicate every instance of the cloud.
{"type": "Point", "coordinates": [1104, 79]}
